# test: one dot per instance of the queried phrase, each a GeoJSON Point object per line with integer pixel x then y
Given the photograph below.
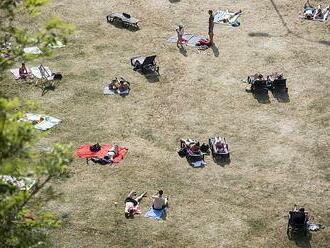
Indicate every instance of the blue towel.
{"type": "Point", "coordinates": [155, 214]}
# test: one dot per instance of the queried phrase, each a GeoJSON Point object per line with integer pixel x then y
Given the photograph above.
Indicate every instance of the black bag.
{"type": "Point", "coordinates": [205, 148]}
{"type": "Point", "coordinates": [95, 148]}
{"type": "Point", "coordinates": [58, 76]}
{"type": "Point", "coordinates": [183, 152]}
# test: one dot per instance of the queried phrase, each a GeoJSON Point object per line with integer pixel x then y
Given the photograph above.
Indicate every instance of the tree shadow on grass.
{"type": "Point", "coordinates": [301, 240]}
{"type": "Point", "coordinates": [281, 96]}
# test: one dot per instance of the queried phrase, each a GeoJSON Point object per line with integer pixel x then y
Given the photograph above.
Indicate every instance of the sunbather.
{"type": "Point", "coordinates": [211, 26]}
{"type": "Point", "coordinates": [313, 13]}
{"type": "Point", "coordinates": [108, 158]}
{"type": "Point", "coordinates": [159, 202]}
{"type": "Point", "coordinates": [35, 122]}
{"type": "Point", "coordinates": [123, 85]}
{"type": "Point", "coordinates": [23, 72]}
{"type": "Point", "coordinates": [219, 145]}
{"type": "Point", "coordinates": [231, 17]}
{"type": "Point", "coordinates": [132, 204]}
{"type": "Point", "coordinates": [114, 85]}
{"type": "Point", "coordinates": [301, 214]}
{"type": "Point", "coordinates": [192, 145]}
{"type": "Point", "coordinates": [180, 33]}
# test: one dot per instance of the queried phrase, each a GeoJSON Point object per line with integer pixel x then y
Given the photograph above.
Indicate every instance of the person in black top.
{"type": "Point", "coordinates": [211, 26]}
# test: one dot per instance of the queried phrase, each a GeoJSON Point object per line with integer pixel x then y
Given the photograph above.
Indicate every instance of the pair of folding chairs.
{"type": "Point", "coordinates": [259, 85]}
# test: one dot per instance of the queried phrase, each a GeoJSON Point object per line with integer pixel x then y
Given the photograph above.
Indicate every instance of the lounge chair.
{"type": "Point", "coordinates": [45, 77]}
{"type": "Point", "coordinates": [124, 19]}
{"type": "Point", "coordinates": [146, 65]}
{"type": "Point", "coordinates": [297, 222]}
{"type": "Point", "coordinates": [219, 147]}
{"type": "Point", "coordinates": [278, 85]}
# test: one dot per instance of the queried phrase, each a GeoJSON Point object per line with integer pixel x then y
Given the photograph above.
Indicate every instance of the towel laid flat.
{"type": "Point", "coordinates": [107, 91]}
{"type": "Point", "coordinates": [46, 124]}
{"type": "Point", "coordinates": [222, 15]}
{"type": "Point", "coordinates": [32, 50]}
{"type": "Point", "coordinates": [190, 39]}
{"type": "Point", "coordinates": [15, 72]}
{"type": "Point", "coordinates": [57, 44]}
{"type": "Point", "coordinates": [155, 214]}
{"type": "Point", "coordinates": [198, 164]}
{"type": "Point", "coordinates": [36, 72]}
{"type": "Point", "coordinates": [84, 151]}
{"type": "Point", "coordinates": [121, 16]}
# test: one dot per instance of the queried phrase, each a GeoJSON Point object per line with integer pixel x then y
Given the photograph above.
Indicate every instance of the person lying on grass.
{"type": "Point", "coordinates": [312, 13]}
{"type": "Point", "coordinates": [230, 18]}
{"type": "Point", "coordinates": [132, 206]}
{"type": "Point", "coordinates": [121, 85]}
{"type": "Point", "coordinates": [192, 145]}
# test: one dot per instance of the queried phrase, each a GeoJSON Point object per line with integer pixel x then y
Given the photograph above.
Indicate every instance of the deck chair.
{"type": "Point", "coordinates": [278, 85]}
{"type": "Point", "coordinates": [45, 77]}
{"type": "Point", "coordinates": [297, 222]}
{"type": "Point", "coordinates": [259, 87]}
{"type": "Point", "coordinates": [222, 153]}
{"type": "Point", "coordinates": [146, 65]}
{"type": "Point", "coordinates": [124, 19]}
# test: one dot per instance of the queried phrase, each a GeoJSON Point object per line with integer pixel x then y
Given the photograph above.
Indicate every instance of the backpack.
{"type": "Point", "coordinates": [95, 148]}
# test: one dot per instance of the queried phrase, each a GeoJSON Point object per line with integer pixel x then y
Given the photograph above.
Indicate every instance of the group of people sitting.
{"type": "Point", "coordinates": [269, 78]}
{"type": "Point", "coordinates": [316, 13]}
{"type": "Point", "coordinates": [108, 158]}
{"type": "Point", "coordinates": [132, 203]}
{"type": "Point", "coordinates": [193, 146]}
{"type": "Point", "coordinates": [120, 85]}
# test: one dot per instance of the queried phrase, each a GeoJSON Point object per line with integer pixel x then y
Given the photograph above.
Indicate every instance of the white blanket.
{"type": "Point", "coordinates": [46, 124]}
{"type": "Point", "coordinates": [36, 72]}
{"type": "Point", "coordinates": [32, 50]}
{"type": "Point", "coordinates": [222, 15]}
{"type": "Point", "coordinates": [107, 91]}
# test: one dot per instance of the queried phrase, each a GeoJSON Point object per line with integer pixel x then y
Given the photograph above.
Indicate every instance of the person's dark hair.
{"type": "Point", "coordinates": [210, 11]}
{"type": "Point", "coordinates": [301, 209]}
{"type": "Point", "coordinates": [160, 192]}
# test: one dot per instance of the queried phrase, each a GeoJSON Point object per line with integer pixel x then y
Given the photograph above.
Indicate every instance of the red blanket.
{"type": "Point", "coordinates": [84, 151]}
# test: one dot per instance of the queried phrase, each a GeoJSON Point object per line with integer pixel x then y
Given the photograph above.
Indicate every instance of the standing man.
{"type": "Point", "coordinates": [211, 26]}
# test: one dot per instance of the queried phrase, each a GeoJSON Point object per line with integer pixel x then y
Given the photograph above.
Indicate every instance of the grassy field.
{"type": "Point", "coordinates": [280, 150]}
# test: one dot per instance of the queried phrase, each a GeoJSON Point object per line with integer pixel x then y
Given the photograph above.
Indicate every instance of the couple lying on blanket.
{"type": "Point", "coordinates": [313, 13]}
{"type": "Point", "coordinates": [120, 85]}
{"type": "Point", "coordinates": [132, 203]}
{"type": "Point", "coordinates": [108, 158]}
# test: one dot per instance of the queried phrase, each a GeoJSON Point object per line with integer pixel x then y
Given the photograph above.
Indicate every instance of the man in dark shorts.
{"type": "Point", "coordinates": [211, 26]}
{"type": "Point", "coordinates": [132, 204]}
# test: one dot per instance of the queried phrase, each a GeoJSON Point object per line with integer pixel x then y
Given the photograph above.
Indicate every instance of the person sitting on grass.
{"type": "Point", "coordinates": [159, 202]}
{"type": "Point", "coordinates": [132, 206]}
{"type": "Point", "coordinates": [190, 144]}
{"type": "Point", "coordinates": [114, 85]}
{"type": "Point", "coordinates": [123, 85]}
{"type": "Point", "coordinates": [23, 72]}
{"type": "Point", "coordinates": [300, 216]}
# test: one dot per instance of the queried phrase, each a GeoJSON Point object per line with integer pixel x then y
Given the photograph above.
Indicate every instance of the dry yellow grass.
{"type": "Point", "coordinates": [280, 150]}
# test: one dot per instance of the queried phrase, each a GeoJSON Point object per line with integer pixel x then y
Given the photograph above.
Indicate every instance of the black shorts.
{"type": "Point", "coordinates": [130, 199]}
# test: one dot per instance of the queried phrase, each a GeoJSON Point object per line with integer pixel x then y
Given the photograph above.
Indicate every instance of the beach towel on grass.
{"type": "Point", "coordinates": [15, 72]}
{"type": "Point", "coordinates": [46, 124]}
{"type": "Point", "coordinates": [155, 214]}
{"type": "Point", "coordinates": [84, 151]}
{"type": "Point", "coordinates": [107, 91]}
{"type": "Point", "coordinates": [190, 39]}
{"type": "Point", "coordinates": [36, 72]}
{"type": "Point", "coordinates": [32, 50]}
{"type": "Point", "coordinates": [221, 15]}
{"type": "Point", "coordinates": [24, 183]}
{"type": "Point", "coordinates": [57, 44]}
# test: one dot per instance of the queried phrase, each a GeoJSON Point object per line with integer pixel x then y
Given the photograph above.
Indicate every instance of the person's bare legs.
{"type": "Point", "coordinates": [139, 198]}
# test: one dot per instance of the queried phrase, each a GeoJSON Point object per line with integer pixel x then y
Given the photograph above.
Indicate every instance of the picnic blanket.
{"type": "Point", "coordinates": [32, 50]}
{"type": "Point", "coordinates": [15, 72]}
{"type": "Point", "coordinates": [107, 91]}
{"type": "Point", "coordinates": [46, 124]}
{"type": "Point", "coordinates": [190, 39]}
{"type": "Point", "coordinates": [84, 151]}
{"type": "Point", "coordinates": [155, 214]}
{"type": "Point", "coordinates": [36, 72]}
{"type": "Point", "coordinates": [24, 183]}
{"type": "Point", "coordinates": [222, 15]}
